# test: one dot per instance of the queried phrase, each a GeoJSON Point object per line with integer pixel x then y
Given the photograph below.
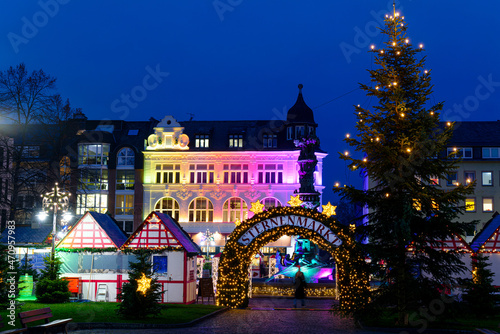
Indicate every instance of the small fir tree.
{"type": "Point", "coordinates": [479, 291]}
{"type": "Point", "coordinates": [140, 297]}
{"type": "Point", "coordinates": [51, 288]}
{"type": "Point", "coordinates": [402, 141]}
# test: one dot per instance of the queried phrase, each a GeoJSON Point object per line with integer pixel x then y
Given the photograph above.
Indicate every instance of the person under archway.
{"type": "Point", "coordinates": [299, 285]}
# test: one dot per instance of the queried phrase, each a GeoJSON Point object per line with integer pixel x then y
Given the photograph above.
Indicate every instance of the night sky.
{"type": "Point", "coordinates": [242, 59]}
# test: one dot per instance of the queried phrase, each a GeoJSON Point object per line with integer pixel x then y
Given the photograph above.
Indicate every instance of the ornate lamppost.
{"type": "Point", "coordinates": [56, 201]}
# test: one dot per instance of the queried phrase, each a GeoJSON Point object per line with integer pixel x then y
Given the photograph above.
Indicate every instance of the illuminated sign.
{"type": "Point", "coordinates": [291, 220]}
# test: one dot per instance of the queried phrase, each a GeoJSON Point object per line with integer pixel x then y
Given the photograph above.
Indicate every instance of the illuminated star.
{"type": "Point", "coordinates": [143, 284]}
{"type": "Point", "coordinates": [257, 207]}
{"type": "Point", "coordinates": [329, 210]}
{"type": "Point", "coordinates": [237, 222]}
{"type": "Point", "coordinates": [294, 201]}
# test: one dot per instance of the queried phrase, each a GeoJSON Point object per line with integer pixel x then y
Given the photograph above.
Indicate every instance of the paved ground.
{"type": "Point", "coordinates": [266, 315]}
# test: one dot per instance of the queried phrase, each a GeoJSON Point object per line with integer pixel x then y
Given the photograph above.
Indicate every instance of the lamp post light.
{"type": "Point", "coordinates": [56, 201]}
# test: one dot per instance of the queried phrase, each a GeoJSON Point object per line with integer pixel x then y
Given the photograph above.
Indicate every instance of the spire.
{"type": "Point", "coordinates": [300, 112]}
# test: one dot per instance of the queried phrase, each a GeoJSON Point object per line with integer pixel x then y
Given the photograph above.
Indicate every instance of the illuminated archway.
{"type": "Point", "coordinates": [268, 226]}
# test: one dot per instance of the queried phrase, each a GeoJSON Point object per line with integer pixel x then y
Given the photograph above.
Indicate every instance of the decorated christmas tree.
{"type": "Point", "coordinates": [403, 146]}
{"type": "Point", "coordinates": [51, 288]}
{"type": "Point", "coordinates": [140, 297]}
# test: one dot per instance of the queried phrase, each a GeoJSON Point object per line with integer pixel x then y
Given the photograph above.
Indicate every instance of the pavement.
{"type": "Point", "coordinates": [264, 315]}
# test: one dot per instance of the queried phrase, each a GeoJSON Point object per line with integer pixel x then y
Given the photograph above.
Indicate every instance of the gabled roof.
{"type": "Point", "coordinates": [455, 243]}
{"type": "Point", "coordinates": [488, 238]}
{"type": "Point", "coordinates": [159, 230]}
{"type": "Point", "coordinates": [94, 230]}
{"type": "Point", "coordinates": [28, 235]}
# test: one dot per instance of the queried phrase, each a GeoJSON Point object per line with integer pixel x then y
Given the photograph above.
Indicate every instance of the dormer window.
{"type": "Point", "coordinates": [289, 133]}
{"type": "Point", "coordinates": [299, 131]}
{"type": "Point", "coordinates": [235, 141]}
{"type": "Point", "coordinates": [270, 141]}
{"type": "Point", "coordinates": [311, 130]}
{"type": "Point", "coordinates": [201, 141]}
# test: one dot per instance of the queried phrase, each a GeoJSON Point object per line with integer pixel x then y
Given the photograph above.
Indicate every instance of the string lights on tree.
{"type": "Point", "coordinates": [401, 136]}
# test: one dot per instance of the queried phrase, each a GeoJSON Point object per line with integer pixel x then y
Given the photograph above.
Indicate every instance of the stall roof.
{"type": "Point", "coordinates": [94, 230]}
{"type": "Point", "coordinates": [488, 238]}
{"type": "Point", "coordinates": [25, 235]}
{"type": "Point", "coordinates": [160, 230]}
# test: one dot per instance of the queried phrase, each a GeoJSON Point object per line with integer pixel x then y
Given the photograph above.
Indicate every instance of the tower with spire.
{"type": "Point", "coordinates": [302, 129]}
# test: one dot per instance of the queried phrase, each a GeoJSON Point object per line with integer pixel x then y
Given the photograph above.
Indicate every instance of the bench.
{"type": "Point", "coordinates": [485, 331]}
{"type": "Point", "coordinates": [11, 331]}
{"type": "Point", "coordinates": [43, 314]}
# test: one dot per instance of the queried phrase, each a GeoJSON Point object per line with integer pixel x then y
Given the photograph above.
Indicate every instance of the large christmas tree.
{"type": "Point", "coordinates": [403, 141]}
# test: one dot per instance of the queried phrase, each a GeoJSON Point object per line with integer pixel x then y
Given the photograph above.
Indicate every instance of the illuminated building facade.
{"type": "Point", "coordinates": [206, 174]}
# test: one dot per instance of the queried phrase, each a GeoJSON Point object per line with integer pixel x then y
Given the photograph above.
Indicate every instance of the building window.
{"type": "Point", "coordinates": [470, 204]}
{"type": "Point", "coordinates": [124, 205]}
{"type": "Point", "coordinates": [270, 141]}
{"type": "Point", "coordinates": [235, 173]}
{"type": "Point", "coordinates": [270, 173]}
{"type": "Point", "coordinates": [235, 140]}
{"type": "Point", "coordinates": [91, 202]}
{"type": "Point", "coordinates": [126, 157]}
{"type": "Point", "coordinates": [299, 131]}
{"type": "Point", "coordinates": [452, 179]}
{"type": "Point", "coordinates": [434, 180]}
{"type": "Point", "coordinates": [491, 152]}
{"type": "Point", "coordinates": [92, 154]}
{"type": "Point", "coordinates": [487, 178]}
{"type": "Point", "coordinates": [487, 204]}
{"type": "Point", "coordinates": [469, 176]}
{"type": "Point", "coordinates": [29, 152]}
{"type": "Point", "coordinates": [93, 179]}
{"type": "Point", "coordinates": [168, 206]}
{"type": "Point", "coordinates": [234, 208]}
{"type": "Point", "coordinates": [201, 141]}
{"type": "Point", "coordinates": [168, 173]}
{"type": "Point", "coordinates": [126, 226]}
{"type": "Point", "coordinates": [201, 173]}
{"type": "Point", "coordinates": [460, 152]}
{"type": "Point", "coordinates": [125, 179]}
{"type": "Point", "coordinates": [201, 210]}
{"type": "Point", "coordinates": [311, 130]}
{"type": "Point", "coordinates": [289, 133]}
{"type": "Point", "coordinates": [271, 202]}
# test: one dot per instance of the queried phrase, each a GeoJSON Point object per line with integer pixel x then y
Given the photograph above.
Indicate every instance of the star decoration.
{"type": "Point", "coordinates": [143, 284]}
{"type": "Point", "coordinates": [329, 210]}
{"type": "Point", "coordinates": [257, 207]}
{"type": "Point", "coordinates": [295, 200]}
{"type": "Point", "coordinates": [237, 222]}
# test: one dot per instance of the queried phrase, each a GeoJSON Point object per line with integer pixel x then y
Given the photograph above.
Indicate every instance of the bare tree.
{"type": "Point", "coordinates": [36, 116]}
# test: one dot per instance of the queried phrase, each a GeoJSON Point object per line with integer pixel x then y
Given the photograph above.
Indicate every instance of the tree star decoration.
{"type": "Point", "coordinates": [329, 210]}
{"type": "Point", "coordinates": [257, 207]}
{"type": "Point", "coordinates": [294, 201]}
{"type": "Point", "coordinates": [143, 284]}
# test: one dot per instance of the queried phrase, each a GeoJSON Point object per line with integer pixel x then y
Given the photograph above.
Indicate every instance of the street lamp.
{"type": "Point", "coordinates": [56, 201]}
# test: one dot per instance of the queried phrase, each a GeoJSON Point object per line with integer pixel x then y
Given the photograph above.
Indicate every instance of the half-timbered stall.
{"type": "Point", "coordinates": [487, 242]}
{"type": "Point", "coordinates": [92, 260]}
{"type": "Point", "coordinates": [174, 256]}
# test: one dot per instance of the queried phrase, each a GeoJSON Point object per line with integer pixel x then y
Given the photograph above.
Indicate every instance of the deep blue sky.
{"type": "Point", "coordinates": [245, 59]}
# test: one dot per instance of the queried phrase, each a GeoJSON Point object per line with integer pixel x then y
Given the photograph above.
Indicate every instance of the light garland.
{"type": "Point", "coordinates": [233, 282]}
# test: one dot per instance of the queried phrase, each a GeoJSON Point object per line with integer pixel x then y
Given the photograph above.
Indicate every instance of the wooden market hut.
{"type": "Point", "coordinates": [174, 258]}
{"type": "Point", "coordinates": [92, 260]}
{"type": "Point", "coordinates": [487, 242]}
